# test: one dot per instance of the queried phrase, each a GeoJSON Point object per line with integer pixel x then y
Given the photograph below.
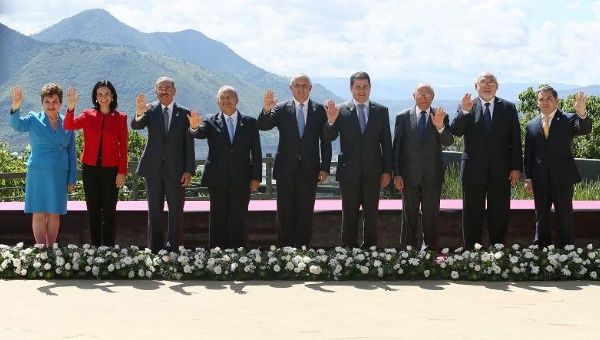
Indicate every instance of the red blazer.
{"type": "Point", "coordinates": [114, 137]}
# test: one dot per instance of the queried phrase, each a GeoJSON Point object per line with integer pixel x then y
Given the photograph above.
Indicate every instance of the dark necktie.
{"type": "Point", "coordinates": [166, 119]}
{"type": "Point", "coordinates": [300, 119]}
{"type": "Point", "coordinates": [422, 124]}
{"type": "Point", "coordinates": [230, 129]}
{"type": "Point", "coordinates": [487, 117]}
{"type": "Point", "coordinates": [362, 120]}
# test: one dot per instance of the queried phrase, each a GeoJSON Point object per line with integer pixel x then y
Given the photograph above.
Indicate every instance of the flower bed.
{"type": "Point", "coordinates": [497, 263]}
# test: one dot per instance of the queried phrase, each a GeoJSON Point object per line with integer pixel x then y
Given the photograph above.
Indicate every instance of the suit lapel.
{"type": "Point", "coordinates": [292, 110]}
{"type": "Point", "coordinates": [371, 115]}
{"type": "Point", "coordinates": [238, 127]}
{"type": "Point", "coordinates": [310, 117]}
{"type": "Point", "coordinates": [354, 117]}
{"type": "Point", "coordinates": [220, 124]}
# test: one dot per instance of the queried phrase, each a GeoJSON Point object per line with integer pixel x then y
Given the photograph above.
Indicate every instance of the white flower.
{"type": "Point", "coordinates": [549, 268]}
{"type": "Point", "coordinates": [414, 261]}
{"type": "Point", "coordinates": [477, 268]}
{"type": "Point", "coordinates": [276, 268]}
{"type": "Point", "coordinates": [591, 255]}
{"type": "Point", "coordinates": [485, 257]}
{"type": "Point", "coordinates": [516, 270]}
{"type": "Point", "coordinates": [58, 271]}
{"type": "Point", "coordinates": [47, 266]}
{"type": "Point", "coordinates": [388, 257]}
{"type": "Point", "coordinates": [376, 263]}
{"type": "Point", "coordinates": [477, 246]}
{"type": "Point", "coordinates": [301, 266]}
{"type": "Point", "coordinates": [111, 267]}
{"type": "Point", "coordinates": [316, 270]}
{"type": "Point", "coordinates": [535, 270]}
{"type": "Point", "coordinates": [272, 248]}
{"type": "Point", "coordinates": [400, 271]}
{"type": "Point", "coordinates": [364, 269]}
{"type": "Point", "coordinates": [95, 270]}
{"type": "Point", "coordinates": [514, 259]}
{"type": "Point", "coordinates": [445, 251]}
{"type": "Point", "coordinates": [360, 257]}
{"type": "Point", "coordinates": [289, 266]}
{"type": "Point", "coordinates": [563, 258]}
{"type": "Point", "coordinates": [590, 246]}
{"type": "Point", "coordinates": [148, 273]}
{"type": "Point", "coordinates": [569, 247]}
{"type": "Point", "coordinates": [454, 275]}
{"type": "Point", "coordinates": [593, 275]}
{"type": "Point", "coordinates": [233, 267]}
{"type": "Point", "coordinates": [44, 256]}
{"type": "Point", "coordinates": [426, 273]}
{"type": "Point", "coordinates": [498, 255]}
{"type": "Point", "coordinates": [131, 274]}
{"type": "Point", "coordinates": [247, 269]}
{"type": "Point", "coordinates": [408, 248]}
{"type": "Point", "coordinates": [23, 272]}
{"type": "Point", "coordinates": [515, 246]}
{"type": "Point", "coordinates": [566, 272]}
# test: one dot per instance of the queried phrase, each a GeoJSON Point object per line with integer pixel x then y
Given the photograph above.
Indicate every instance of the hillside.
{"type": "Point", "coordinates": [81, 64]}
{"type": "Point", "coordinates": [189, 45]}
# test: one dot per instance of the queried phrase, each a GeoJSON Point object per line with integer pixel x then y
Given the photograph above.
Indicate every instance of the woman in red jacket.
{"type": "Point", "coordinates": [104, 158]}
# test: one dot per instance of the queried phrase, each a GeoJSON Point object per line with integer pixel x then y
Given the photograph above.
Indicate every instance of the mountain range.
{"type": "Point", "coordinates": [74, 52]}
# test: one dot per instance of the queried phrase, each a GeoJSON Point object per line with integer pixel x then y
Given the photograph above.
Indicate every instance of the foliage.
{"type": "Point", "coordinates": [496, 263]}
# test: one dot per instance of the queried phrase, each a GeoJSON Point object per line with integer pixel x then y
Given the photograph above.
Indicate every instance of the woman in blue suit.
{"type": "Point", "coordinates": [51, 166]}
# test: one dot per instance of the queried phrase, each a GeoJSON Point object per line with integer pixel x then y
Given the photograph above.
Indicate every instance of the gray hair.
{"type": "Point", "coordinates": [424, 86]}
{"type": "Point", "coordinates": [298, 76]}
{"type": "Point", "coordinates": [227, 88]}
{"type": "Point", "coordinates": [167, 79]}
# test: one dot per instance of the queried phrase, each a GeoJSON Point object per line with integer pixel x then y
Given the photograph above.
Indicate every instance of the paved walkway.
{"type": "Point", "coordinates": [298, 310]}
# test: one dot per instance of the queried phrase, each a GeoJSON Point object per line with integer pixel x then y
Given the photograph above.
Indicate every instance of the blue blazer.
{"type": "Point", "coordinates": [49, 148]}
{"type": "Point", "coordinates": [230, 163]}
{"type": "Point", "coordinates": [170, 154]}
{"type": "Point", "coordinates": [553, 157]}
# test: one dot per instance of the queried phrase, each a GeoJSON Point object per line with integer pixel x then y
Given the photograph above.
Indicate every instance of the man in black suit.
{"type": "Point", "coordinates": [297, 167]}
{"type": "Point", "coordinates": [420, 133]}
{"type": "Point", "coordinates": [167, 163]}
{"type": "Point", "coordinates": [365, 161]}
{"type": "Point", "coordinates": [550, 170]}
{"type": "Point", "coordinates": [491, 161]}
{"type": "Point", "coordinates": [233, 168]}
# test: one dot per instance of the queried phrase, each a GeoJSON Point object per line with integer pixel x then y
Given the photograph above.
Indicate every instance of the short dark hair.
{"type": "Point", "coordinates": [104, 83]}
{"type": "Point", "coordinates": [51, 89]}
{"type": "Point", "coordinates": [359, 75]}
{"type": "Point", "coordinates": [547, 88]}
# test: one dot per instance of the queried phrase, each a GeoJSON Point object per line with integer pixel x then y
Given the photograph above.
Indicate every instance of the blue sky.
{"type": "Point", "coordinates": [441, 42]}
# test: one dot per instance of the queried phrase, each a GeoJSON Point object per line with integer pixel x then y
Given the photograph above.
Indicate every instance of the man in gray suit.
{"type": "Point", "coordinates": [420, 133]}
{"type": "Point", "coordinates": [167, 163]}
{"type": "Point", "coordinates": [365, 163]}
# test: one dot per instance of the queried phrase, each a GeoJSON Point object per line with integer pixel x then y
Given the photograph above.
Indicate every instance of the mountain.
{"type": "Point", "coordinates": [189, 45]}
{"type": "Point", "coordinates": [79, 64]}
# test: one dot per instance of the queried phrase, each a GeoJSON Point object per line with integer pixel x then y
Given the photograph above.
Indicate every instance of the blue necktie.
{"type": "Point", "coordinates": [487, 117]}
{"type": "Point", "coordinates": [230, 129]}
{"type": "Point", "coordinates": [422, 124]}
{"type": "Point", "coordinates": [300, 119]}
{"type": "Point", "coordinates": [166, 118]}
{"type": "Point", "coordinates": [362, 120]}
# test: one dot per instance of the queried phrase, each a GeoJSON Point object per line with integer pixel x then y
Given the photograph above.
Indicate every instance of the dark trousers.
{"type": "Point", "coordinates": [498, 208]}
{"type": "Point", "coordinates": [101, 193]}
{"type": "Point", "coordinates": [363, 192]}
{"type": "Point", "coordinates": [427, 197]}
{"type": "Point", "coordinates": [561, 195]}
{"type": "Point", "coordinates": [228, 212]}
{"type": "Point", "coordinates": [158, 188]}
{"type": "Point", "coordinates": [295, 207]}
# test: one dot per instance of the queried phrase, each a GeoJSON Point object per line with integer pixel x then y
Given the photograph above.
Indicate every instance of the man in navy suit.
{"type": "Point", "coordinates": [550, 170]}
{"type": "Point", "coordinates": [491, 161]}
{"type": "Point", "coordinates": [297, 167]}
{"type": "Point", "coordinates": [365, 161]}
{"type": "Point", "coordinates": [419, 135]}
{"type": "Point", "coordinates": [233, 168]}
{"type": "Point", "coordinates": [167, 163]}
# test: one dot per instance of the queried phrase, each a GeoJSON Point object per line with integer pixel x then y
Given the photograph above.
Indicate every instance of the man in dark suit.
{"type": "Point", "coordinates": [365, 161]}
{"type": "Point", "coordinates": [491, 161]}
{"type": "Point", "coordinates": [420, 133]}
{"type": "Point", "coordinates": [233, 168]}
{"type": "Point", "coordinates": [297, 167]}
{"type": "Point", "coordinates": [550, 170]}
{"type": "Point", "coordinates": [167, 163]}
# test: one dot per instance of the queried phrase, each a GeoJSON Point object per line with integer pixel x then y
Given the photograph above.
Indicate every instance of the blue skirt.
{"type": "Point", "coordinates": [46, 191]}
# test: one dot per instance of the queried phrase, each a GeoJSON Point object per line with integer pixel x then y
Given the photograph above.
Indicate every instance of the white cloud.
{"type": "Point", "coordinates": [444, 42]}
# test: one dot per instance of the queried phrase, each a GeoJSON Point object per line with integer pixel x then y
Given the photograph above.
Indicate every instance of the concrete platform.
{"type": "Point", "coordinates": [298, 310]}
